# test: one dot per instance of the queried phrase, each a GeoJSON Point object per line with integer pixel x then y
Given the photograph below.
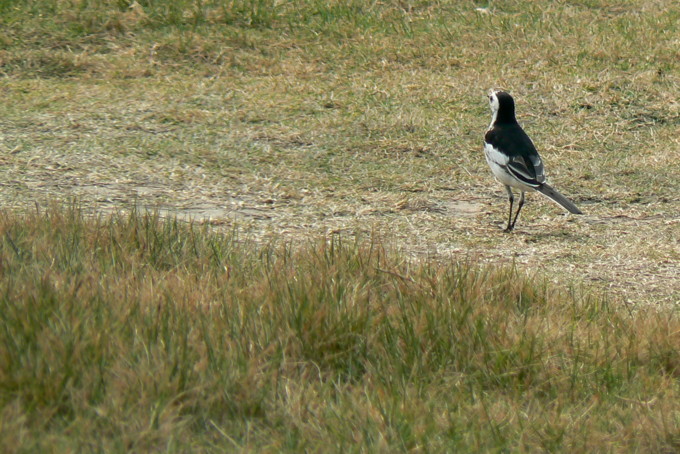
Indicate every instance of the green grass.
{"type": "Point", "coordinates": [129, 333]}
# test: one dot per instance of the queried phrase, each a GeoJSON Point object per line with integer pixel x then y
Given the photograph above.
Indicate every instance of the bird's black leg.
{"type": "Point", "coordinates": [511, 199]}
{"type": "Point", "coordinates": [519, 208]}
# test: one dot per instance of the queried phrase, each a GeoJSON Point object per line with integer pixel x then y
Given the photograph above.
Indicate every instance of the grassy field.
{"type": "Point", "coordinates": [325, 268]}
{"type": "Point", "coordinates": [133, 334]}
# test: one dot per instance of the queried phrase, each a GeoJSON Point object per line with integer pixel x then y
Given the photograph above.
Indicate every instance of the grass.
{"type": "Point", "coordinates": [130, 333]}
{"type": "Point", "coordinates": [344, 283]}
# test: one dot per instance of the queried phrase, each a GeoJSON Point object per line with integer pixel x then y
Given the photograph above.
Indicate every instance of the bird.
{"type": "Point", "coordinates": [513, 158]}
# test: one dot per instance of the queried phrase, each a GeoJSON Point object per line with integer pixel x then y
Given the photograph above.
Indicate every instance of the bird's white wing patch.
{"type": "Point", "coordinates": [495, 156]}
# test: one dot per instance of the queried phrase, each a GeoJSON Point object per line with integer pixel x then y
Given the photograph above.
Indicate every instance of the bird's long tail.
{"type": "Point", "coordinates": [551, 193]}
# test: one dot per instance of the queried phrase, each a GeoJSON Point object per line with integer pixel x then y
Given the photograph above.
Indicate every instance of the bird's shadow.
{"type": "Point", "coordinates": [532, 234]}
{"type": "Point", "coordinates": [537, 237]}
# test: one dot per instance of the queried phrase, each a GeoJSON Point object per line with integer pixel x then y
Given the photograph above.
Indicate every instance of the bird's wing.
{"type": "Point", "coordinates": [527, 170]}
{"type": "Point", "coordinates": [537, 163]}
{"type": "Point", "coordinates": [524, 161]}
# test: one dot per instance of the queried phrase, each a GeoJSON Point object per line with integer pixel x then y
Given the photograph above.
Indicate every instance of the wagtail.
{"type": "Point", "coordinates": [513, 158]}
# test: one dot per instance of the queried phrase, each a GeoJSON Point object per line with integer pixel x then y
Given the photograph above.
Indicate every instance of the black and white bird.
{"type": "Point", "coordinates": [513, 158]}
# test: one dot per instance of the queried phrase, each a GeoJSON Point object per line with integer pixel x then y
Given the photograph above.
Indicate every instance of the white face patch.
{"type": "Point", "coordinates": [494, 105]}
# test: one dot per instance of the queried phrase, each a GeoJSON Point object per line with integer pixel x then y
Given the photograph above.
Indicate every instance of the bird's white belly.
{"type": "Point", "coordinates": [498, 162]}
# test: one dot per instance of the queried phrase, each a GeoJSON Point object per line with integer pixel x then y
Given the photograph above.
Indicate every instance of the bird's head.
{"type": "Point", "coordinates": [502, 105]}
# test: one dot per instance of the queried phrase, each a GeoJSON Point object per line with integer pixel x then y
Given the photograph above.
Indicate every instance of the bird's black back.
{"type": "Point", "coordinates": [509, 138]}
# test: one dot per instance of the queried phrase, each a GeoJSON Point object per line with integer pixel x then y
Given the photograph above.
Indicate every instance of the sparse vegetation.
{"type": "Point", "coordinates": [344, 284]}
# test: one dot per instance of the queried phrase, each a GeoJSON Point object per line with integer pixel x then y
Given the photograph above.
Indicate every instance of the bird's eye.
{"type": "Point", "coordinates": [490, 98]}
